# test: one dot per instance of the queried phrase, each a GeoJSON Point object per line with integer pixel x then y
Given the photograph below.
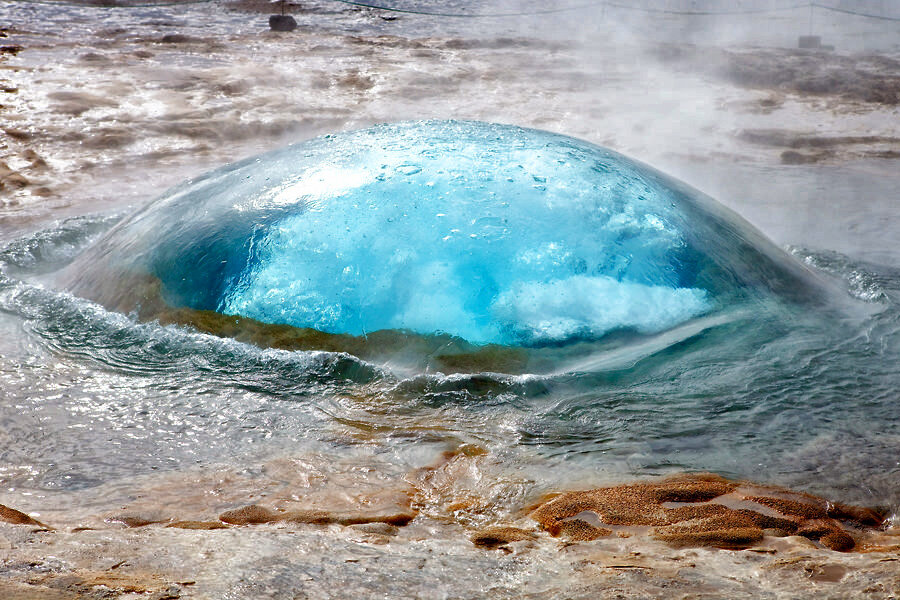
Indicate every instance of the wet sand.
{"type": "Point", "coordinates": [162, 98]}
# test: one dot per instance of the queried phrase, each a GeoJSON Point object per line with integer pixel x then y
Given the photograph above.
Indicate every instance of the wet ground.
{"type": "Point", "coordinates": [102, 109]}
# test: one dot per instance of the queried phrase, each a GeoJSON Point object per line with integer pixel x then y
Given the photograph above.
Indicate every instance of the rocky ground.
{"type": "Point", "coordinates": [290, 534]}
{"type": "Point", "coordinates": [162, 99]}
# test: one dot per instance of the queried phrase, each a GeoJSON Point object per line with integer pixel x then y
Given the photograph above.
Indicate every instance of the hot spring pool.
{"type": "Point", "coordinates": [577, 314]}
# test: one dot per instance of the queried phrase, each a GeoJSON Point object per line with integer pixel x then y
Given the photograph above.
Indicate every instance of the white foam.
{"type": "Point", "coordinates": [593, 306]}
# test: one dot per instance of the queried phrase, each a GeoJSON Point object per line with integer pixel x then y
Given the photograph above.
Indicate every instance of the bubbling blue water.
{"type": "Point", "coordinates": [762, 384]}
{"type": "Point", "coordinates": [491, 233]}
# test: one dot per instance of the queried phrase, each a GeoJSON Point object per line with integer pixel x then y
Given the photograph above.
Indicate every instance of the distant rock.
{"type": "Point", "coordinates": [498, 536]}
{"type": "Point", "coordinates": [705, 510]}
{"type": "Point", "coordinates": [139, 519]}
{"type": "Point", "coordinates": [254, 515]}
{"type": "Point", "coordinates": [11, 515]}
{"type": "Point", "coordinates": [204, 525]}
{"type": "Point", "coordinates": [249, 515]}
{"type": "Point", "coordinates": [179, 38]}
{"type": "Point", "coordinates": [282, 23]}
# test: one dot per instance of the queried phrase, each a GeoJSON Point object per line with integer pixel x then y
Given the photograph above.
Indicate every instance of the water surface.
{"type": "Point", "coordinates": [94, 398]}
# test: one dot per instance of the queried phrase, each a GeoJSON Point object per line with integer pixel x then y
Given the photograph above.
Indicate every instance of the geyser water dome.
{"type": "Point", "coordinates": [490, 233]}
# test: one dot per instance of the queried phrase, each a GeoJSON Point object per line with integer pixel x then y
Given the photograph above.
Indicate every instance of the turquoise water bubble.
{"type": "Point", "coordinates": [491, 233]}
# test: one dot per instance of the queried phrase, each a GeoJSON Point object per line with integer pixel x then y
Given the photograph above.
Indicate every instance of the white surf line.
{"type": "Point", "coordinates": [631, 354]}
